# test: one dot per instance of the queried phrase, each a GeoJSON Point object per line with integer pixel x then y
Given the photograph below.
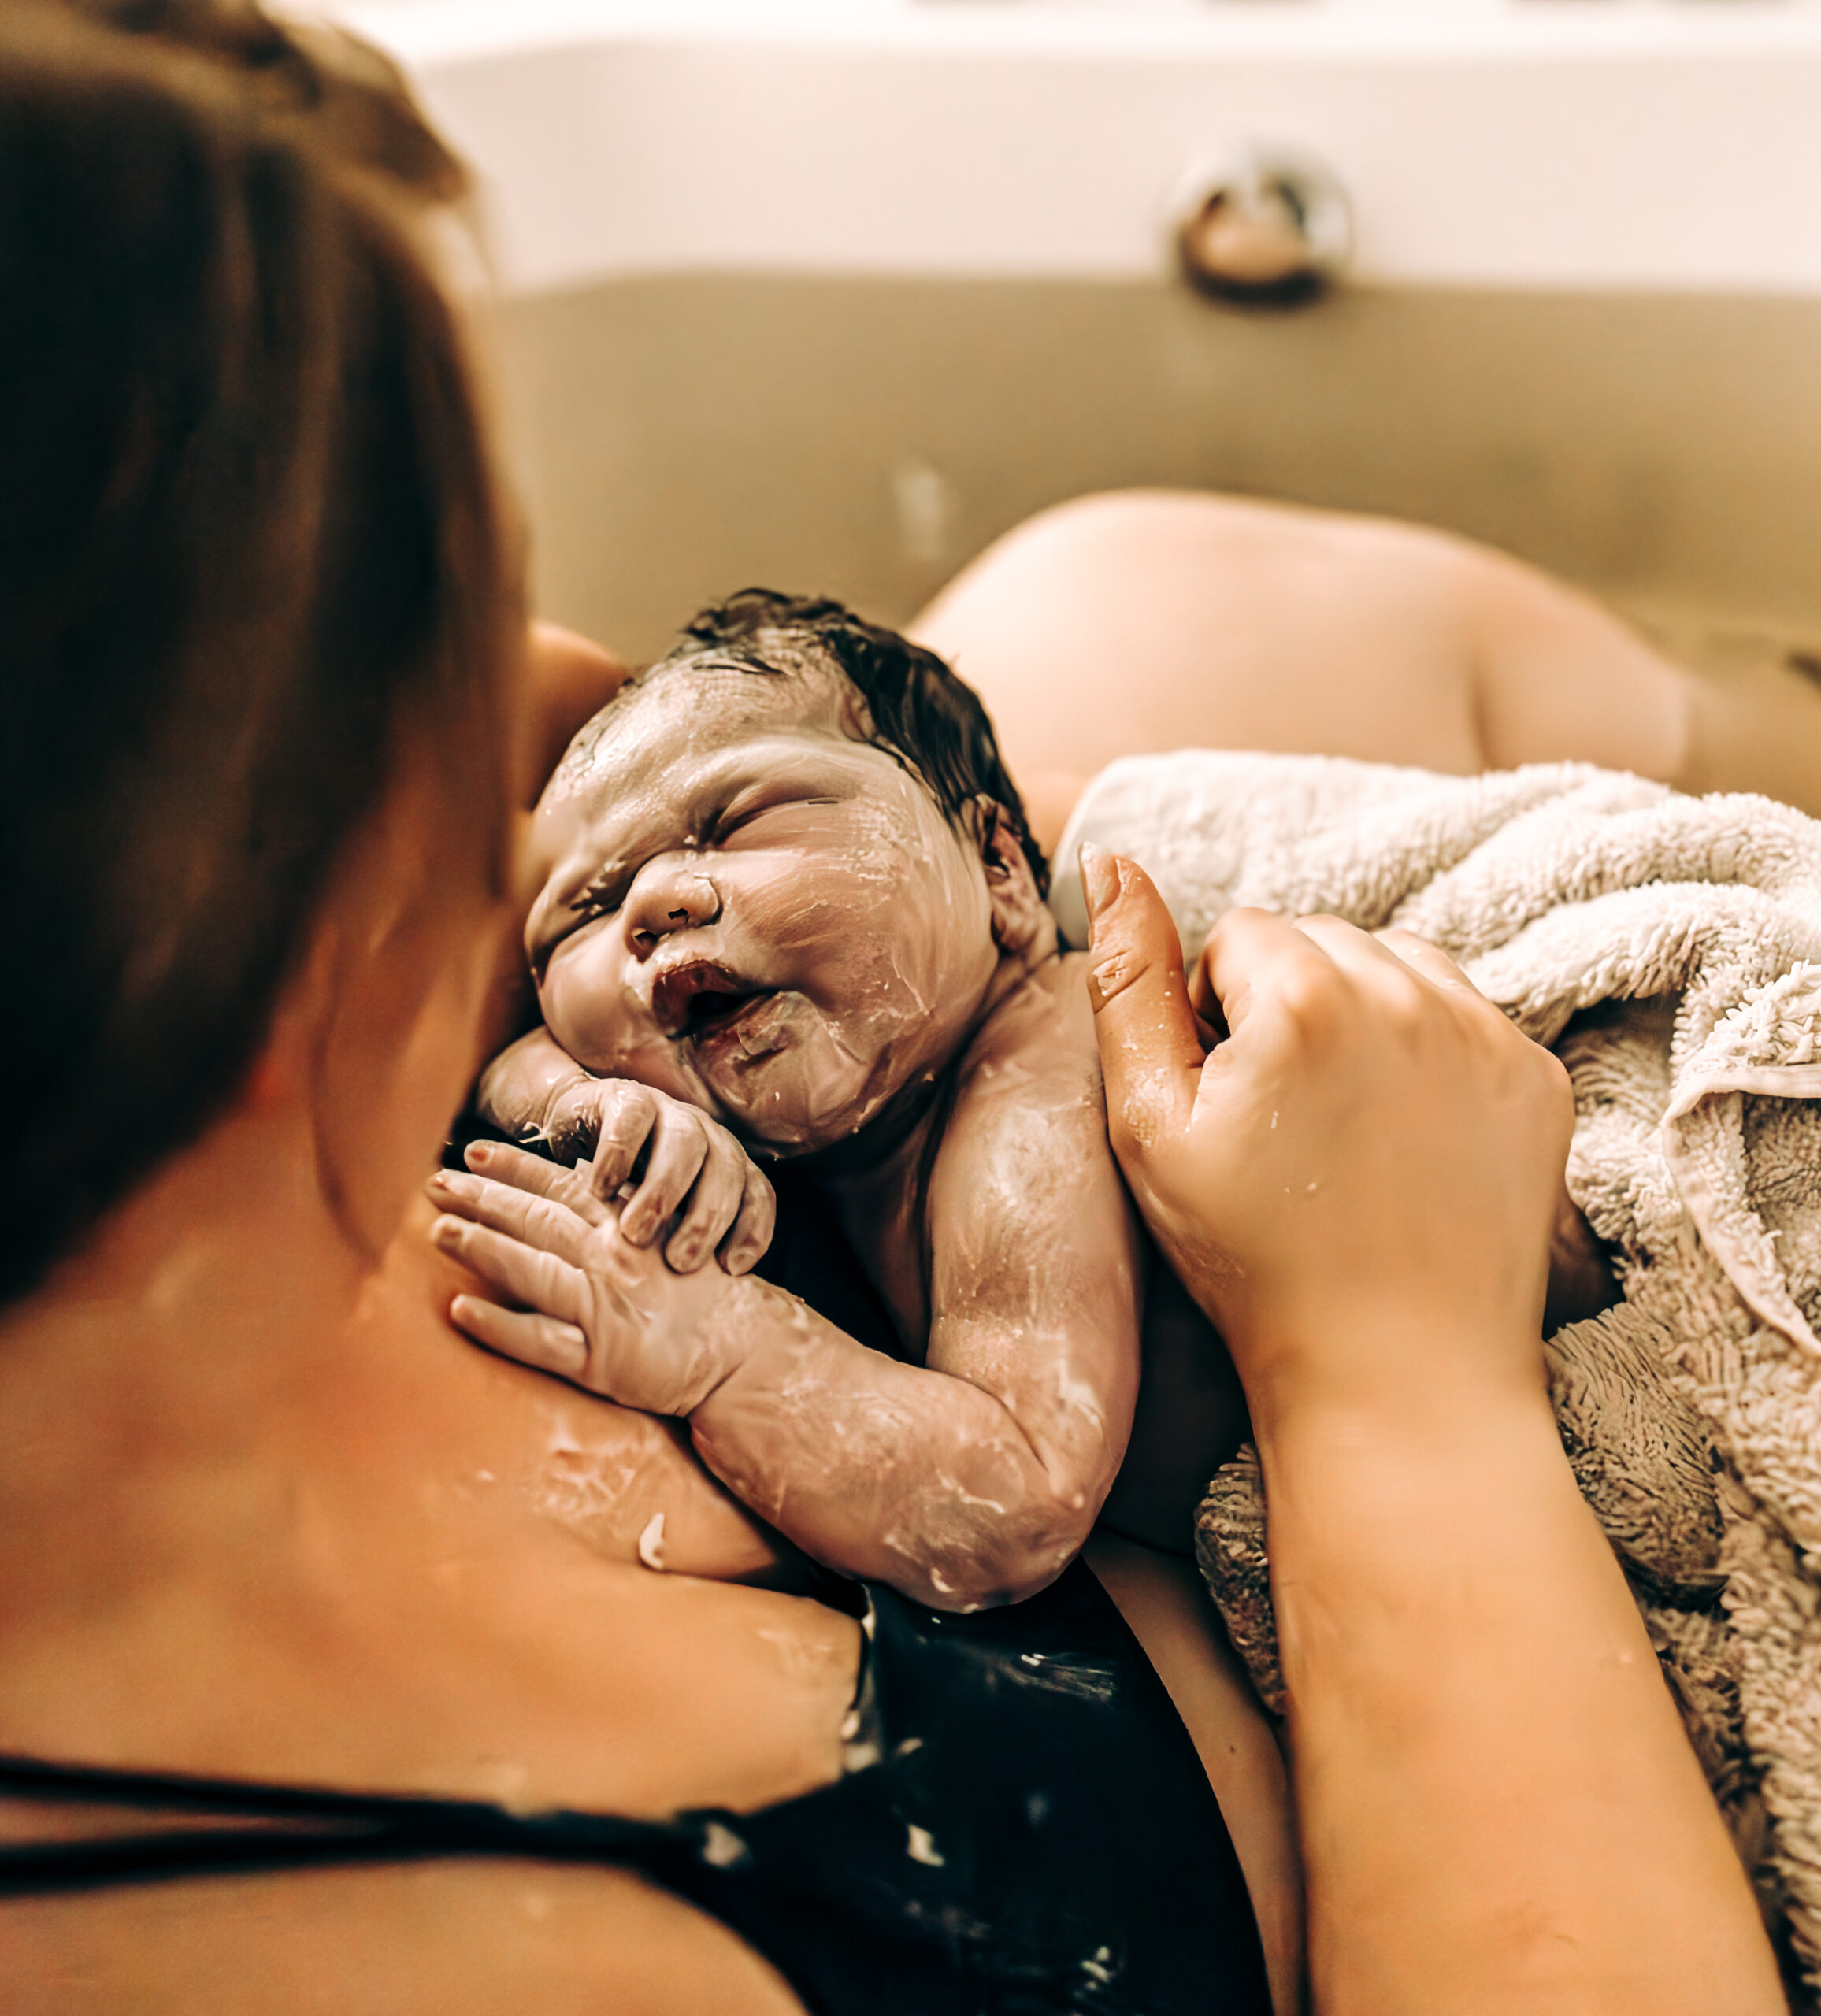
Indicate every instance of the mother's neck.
{"type": "Point", "coordinates": [265, 1515]}
{"type": "Point", "coordinates": [204, 1317]}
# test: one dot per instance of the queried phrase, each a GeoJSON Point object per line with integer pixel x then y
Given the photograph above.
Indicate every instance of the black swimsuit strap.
{"type": "Point", "coordinates": [299, 1826]}
{"type": "Point", "coordinates": [1025, 1831]}
{"type": "Point", "coordinates": [293, 1826]}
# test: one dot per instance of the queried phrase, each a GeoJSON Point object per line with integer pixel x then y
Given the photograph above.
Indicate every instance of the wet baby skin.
{"type": "Point", "coordinates": [749, 908]}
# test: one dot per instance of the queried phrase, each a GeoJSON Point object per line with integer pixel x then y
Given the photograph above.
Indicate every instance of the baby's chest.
{"type": "Point", "coordinates": [1190, 1418]}
{"type": "Point", "coordinates": [852, 1250]}
{"type": "Point", "coordinates": [894, 1253]}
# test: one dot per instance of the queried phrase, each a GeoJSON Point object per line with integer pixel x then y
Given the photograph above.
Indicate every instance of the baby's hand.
{"type": "Point", "coordinates": [598, 1309]}
{"type": "Point", "coordinates": [696, 1178]}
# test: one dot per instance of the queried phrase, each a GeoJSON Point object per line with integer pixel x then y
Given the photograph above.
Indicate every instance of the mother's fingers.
{"type": "Point", "coordinates": [1150, 1054]}
{"type": "Point", "coordinates": [1428, 960]}
{"type": "Point", "coordinates": [1253, 955]}
{"type": "Point", "coordinates": [505, 1163]}
{"type": "Point", "coordinates": [1393, 954]}
{"type": "Point", "coordinates": [1361, 954]}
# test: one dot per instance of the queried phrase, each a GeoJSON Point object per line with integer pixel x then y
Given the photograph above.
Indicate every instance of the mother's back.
{"type": "Point", "coordinates": [263, 1516]}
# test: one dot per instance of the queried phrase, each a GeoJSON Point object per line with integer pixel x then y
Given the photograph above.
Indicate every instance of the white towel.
{"type": "Point", "coordinates": [1696, 1156]}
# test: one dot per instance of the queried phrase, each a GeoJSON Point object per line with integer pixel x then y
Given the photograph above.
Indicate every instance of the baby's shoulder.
{"type": "Point", "coordinates": [1029, 1121]}
{"type": "Point", "coordinates": [1037, 1043]}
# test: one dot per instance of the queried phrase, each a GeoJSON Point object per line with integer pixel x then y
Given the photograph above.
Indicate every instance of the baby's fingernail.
{"type": "Point", "coordinates": [465, 1310]}
{"type": "Point", "coordinates": [1100, 878]}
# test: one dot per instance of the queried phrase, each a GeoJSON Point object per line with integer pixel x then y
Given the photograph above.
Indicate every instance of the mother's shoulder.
{"type": "Point", "coordinates": [483, 1937]}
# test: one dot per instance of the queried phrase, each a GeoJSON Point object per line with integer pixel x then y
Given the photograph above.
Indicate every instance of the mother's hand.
{"type": "Point", "coordinates": [1365, 1167]}
{"type": "Point", "coordinates": [1499, 1808]}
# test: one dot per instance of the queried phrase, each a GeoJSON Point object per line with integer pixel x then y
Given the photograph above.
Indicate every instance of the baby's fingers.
{"type": "Point", "coordinates": [623, 1114]}
{"type": "Point", "coordinates": [714, 1204]}
{"type": "Point", "coordinates": [540, 1342]}
{"type": "Point", "coordinates": [750, 1238]}
{"type": "Point", "coordinates": [538, 1279]}
{"type": "Point", "coordinates": [547, 1223]}
{"type": "Point", "coordinates": [679, 1148]}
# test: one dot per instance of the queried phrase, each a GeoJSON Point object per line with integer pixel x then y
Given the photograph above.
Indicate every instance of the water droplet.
{"type": "Point", "coordinates": [722, 1848]}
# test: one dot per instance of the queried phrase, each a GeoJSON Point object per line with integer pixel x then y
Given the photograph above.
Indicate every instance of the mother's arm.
{"type": "Point", "coordinates": [1499, 1809]}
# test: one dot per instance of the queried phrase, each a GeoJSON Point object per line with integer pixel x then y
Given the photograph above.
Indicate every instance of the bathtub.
{"type": "Point", "coordinates": [826, 294]}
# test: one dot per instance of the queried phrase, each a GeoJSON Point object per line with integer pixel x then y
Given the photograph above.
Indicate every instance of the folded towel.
{"type": "Point", "coordinates": [1669, 948]}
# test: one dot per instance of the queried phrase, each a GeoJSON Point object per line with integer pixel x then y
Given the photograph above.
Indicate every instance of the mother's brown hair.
{"type": "Point", "coordinates": [247, 517]}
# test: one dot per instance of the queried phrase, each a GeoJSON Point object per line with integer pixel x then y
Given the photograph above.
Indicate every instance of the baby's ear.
{"type": "Point", "coordinates": [1020, 915]}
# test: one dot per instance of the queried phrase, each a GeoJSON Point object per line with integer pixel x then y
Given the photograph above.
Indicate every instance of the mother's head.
{"type": "Point", "coordinates": [255, 599]}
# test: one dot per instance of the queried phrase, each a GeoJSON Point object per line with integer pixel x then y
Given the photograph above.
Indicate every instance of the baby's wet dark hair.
{"type": "Point", "coordinates": [920, 711]}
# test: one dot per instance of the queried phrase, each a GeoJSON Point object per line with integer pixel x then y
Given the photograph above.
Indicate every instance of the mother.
{"type": "Point", "coordinates": [267, 1524]}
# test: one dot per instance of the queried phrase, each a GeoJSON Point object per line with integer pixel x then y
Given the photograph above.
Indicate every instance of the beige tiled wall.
{"type": "Point", "coordinates": [679, 437]}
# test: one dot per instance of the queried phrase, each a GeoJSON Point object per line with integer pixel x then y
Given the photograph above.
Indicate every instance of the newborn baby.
{"type": "Point", "coordinates": [789, 885]}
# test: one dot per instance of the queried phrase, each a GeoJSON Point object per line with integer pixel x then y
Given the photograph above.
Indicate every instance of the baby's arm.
{"type": "Point", "coordinates": [971, 1481]}
{"type": "Point", "coordinates": [977, 1479]}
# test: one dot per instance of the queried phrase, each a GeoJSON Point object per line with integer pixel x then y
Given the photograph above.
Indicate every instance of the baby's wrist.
{"type": "Point", "coordinates": [757, 1336]}
{"type": "Point", "coordinates": [525, 1090]}
{"type": "Point", "coordinates": [709, 1329]}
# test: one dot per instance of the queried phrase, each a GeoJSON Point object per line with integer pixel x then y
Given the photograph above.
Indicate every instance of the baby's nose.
{"type": "Point", "coordinates": [670, 898]}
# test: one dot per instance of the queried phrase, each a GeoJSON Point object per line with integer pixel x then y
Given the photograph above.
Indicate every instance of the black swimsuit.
{"type": "Point", "coordinates": [1023, 1827]}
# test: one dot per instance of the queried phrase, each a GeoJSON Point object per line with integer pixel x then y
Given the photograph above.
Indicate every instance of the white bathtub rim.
{"type": "Point", "coordinates": [959, 141]}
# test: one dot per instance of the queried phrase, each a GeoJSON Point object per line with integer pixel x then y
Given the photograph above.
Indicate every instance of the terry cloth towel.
{"type": "Point", "coordinates": [1669, 949]}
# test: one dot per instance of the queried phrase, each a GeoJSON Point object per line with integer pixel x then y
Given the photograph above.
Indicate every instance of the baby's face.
{"type": "Point", "coordinates": [748, 909]}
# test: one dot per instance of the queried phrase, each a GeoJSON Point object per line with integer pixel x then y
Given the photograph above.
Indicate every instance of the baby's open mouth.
{"type": "Point", "coordinates": [701, 997]}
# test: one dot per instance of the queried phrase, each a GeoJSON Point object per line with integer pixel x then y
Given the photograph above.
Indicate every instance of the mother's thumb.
{"type": "Point", "coordinates": [1150, 1054]}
